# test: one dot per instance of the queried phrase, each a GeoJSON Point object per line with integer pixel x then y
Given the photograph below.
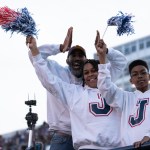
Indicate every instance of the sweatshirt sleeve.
{"type": "Point", "coordinates": [49, 50]}
{"type": "Point", "coordinates": [62, 90]}
{"type": "Point", "coordinates": [117, 63]}
{"type": "Point", "coordinates": [46, 51]}
{"type": "Point", "coordinates": [113, 95]}
{"type": "Point", "coordinates": [55, 67]}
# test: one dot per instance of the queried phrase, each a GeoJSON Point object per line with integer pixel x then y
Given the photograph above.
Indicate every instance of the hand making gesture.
{"type": "Point", "coordinates": [67, 42]}
{"type": "Point", "coordinates": [101, 48]}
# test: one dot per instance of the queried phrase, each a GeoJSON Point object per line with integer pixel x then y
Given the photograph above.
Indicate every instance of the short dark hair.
{"type": "Point", "coordinates": [138, 62]}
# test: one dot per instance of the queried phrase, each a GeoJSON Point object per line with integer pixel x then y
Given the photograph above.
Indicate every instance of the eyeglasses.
{"type": "Point", "coordinates": [136, 74]}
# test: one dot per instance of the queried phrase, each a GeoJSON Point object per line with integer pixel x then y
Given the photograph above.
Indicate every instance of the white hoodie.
{"type": "Point", "coordinates": [94, 124]}
{"type": "Point", "coordinates": [134, 107]}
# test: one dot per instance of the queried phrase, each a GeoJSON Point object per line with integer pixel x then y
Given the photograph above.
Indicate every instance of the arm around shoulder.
{"type": "Point", "coordinates": [117, 63]}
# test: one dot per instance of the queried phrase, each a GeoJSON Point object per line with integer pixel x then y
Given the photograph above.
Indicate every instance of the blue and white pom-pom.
{"type": "Point", "coordinates": [20, 21]}
{"type": "Point", "coordinates": [123, 23]}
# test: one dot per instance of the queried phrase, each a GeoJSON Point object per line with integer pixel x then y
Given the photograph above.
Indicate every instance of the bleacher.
{"type": "Point", "coordinates": [18, 140]}
{"type": "Point", "coordinates": [145, 146]}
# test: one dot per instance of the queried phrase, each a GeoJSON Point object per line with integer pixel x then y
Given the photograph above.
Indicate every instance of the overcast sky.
{"type": "Point", "coordinates": [53, 18]}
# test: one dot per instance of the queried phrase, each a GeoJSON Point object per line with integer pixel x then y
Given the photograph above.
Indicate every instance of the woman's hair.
{"type": "Point", "coordinates": [93, 62]}
{"type": "Point", "coordinates": [137, 63]}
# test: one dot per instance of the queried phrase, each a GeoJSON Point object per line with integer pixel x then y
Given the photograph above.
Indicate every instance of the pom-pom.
{"type": "Point", "coordinates": [123, 23]}
{"type": "Point", "coordinates": [20, 21]}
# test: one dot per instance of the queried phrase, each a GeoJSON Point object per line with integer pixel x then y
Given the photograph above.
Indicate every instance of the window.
{"type": "Point", "coordinates": [141, 46]}
{"type": "Point", "coordinates": [133, 48]}
{"type": "Point", "coordinates": [126, 51]}
{"type": "Point", "coordinates": [148, 44]}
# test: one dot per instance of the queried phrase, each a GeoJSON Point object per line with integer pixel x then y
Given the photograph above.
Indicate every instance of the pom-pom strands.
{"type": "Point", "coordinates": [7, 15]}
{"type": "Point", "coordinates": [20, 21]}
{"type": "Point", "coordinates": [123, 23]}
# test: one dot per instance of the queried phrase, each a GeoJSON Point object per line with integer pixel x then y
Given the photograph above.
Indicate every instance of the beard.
{"type": "Point", "coordinates": [76, 73]}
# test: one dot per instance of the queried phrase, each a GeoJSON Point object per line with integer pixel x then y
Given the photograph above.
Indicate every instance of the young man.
{"type": "Point", "coordinates": [71, 75]}
{"type": "Point", "coordinates": [133, 106]}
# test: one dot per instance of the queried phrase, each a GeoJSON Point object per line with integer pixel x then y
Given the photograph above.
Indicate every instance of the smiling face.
{"type": "Point", "coordinates": [90, 74]}
{"type": "Point", "coordinates": [75, 61]}
{"type": "Point", "coordinates": [140, 78]}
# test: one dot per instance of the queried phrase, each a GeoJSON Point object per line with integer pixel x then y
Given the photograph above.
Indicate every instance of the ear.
{"type": "Point", "coordinates": [67, 61]}
{"type": "Point", "coordinates": [149, 76]}
{"type": "Point", "coordinates": [131, 81]}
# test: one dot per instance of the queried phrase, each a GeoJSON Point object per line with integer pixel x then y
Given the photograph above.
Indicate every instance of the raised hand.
{"type": "Point", "coordinates": [99, 44]}
{"type": "Point", "coordinates": [68, 41]}
{"type": "Point", "coordinates": [100, 47]}
{"type": "Point", "coordinates": [32, 45]}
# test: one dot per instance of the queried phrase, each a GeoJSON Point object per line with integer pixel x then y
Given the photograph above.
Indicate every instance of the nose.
{"type": "Point", "coordinates": [90, 74]}
{"type": "Point", "coordinates": [140, 75]}
{"type": "Point", "coordinates": [77, 57]}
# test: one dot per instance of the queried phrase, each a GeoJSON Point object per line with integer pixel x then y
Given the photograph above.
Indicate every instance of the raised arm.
{"type": "Point", "coordinates": [113, 95]}
{"type": "Point", "coordinates": [53, 49]}
{"type": "Point", "coordinates": [117, 63]}
{"type": "Point", "coordinates": [62, 90]}
{"type": "Point", "coordinates": [105, 84]}
{"type": "Point", "coordinates": [101, 48]}
{"type": "Point", "coordinates": [49, 50]}
{"type": "Point", "coordinates": [116, 60]}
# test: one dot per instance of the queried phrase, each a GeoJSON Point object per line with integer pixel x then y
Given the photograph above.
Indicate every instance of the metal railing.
{"type": "Point", "coordinates": [145, 146]}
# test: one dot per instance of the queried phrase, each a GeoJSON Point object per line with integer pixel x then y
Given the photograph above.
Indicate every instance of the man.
{"type": "Point", "coordinates": [58, 116]}
{"type": "Point", "coordinates": [134, 106]}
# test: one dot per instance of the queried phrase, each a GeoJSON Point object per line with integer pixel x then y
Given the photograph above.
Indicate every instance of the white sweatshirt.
{"type": "Point", "coordinates": [134, 107]}
{"type": "Point", "coordinates": [94, 124]}
{"type": "Point", "coordinates": [58, 116]}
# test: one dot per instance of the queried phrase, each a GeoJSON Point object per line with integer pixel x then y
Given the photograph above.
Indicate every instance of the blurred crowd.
{"type": "Point", "coordinates": [19, 139]}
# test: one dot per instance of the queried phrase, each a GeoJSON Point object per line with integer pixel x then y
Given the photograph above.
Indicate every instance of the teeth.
{"type": "Point", "coordinates": [141, 81]}
{"type": "Point", "coordinates": [92, 79]}
{"type": "Point", "coordinates": [76, 63]}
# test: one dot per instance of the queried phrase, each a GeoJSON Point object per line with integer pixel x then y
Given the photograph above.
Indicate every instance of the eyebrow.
{"type": "Point", "coordinates": [90, 69]}
{"type": "Point", "coordinates": [140, 71]}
